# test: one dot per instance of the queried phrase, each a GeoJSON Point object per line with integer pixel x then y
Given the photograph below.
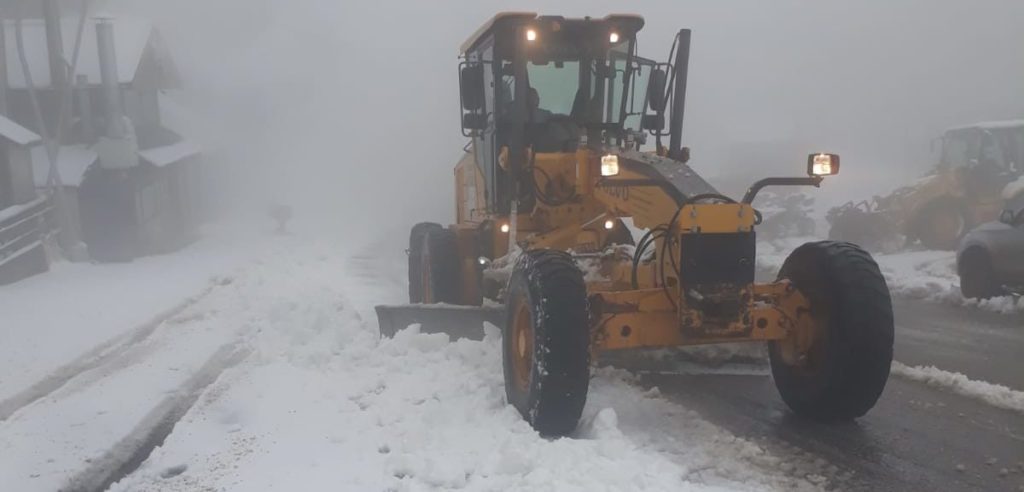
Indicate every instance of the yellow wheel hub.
{"type": "Point", "coordinates": [522, 348]}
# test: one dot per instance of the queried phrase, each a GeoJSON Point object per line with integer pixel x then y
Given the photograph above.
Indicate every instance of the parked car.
{"type": "Point", "coordinates": [990, 260]}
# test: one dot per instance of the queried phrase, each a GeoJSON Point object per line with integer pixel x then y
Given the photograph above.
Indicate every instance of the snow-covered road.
{"type": "Point", "coordinates": [275, 379]}
{"type": "Point", "coordinates": [272, 377]}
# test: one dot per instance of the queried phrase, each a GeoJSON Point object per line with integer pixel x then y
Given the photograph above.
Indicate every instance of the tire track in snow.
{"type": "Point", "coordinates": [128, 454]}
{"type": "Point", "coordinates": [95, 358]}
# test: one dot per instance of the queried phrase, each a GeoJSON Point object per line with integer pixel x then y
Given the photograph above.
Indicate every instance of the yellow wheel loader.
{"type": "Point", "coordinates": [557, 111]}
{"type": "Point", "coordinates": [969, 186]}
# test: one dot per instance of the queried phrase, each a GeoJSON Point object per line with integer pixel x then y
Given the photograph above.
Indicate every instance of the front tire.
{"type": "Point", "coordinates": [546, 341]}
{"type": "Point", "coordinates": [843, 372]}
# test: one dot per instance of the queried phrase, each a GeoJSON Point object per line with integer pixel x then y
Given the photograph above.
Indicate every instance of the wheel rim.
{"type": "Point", "coordinates": [522, 346]}
{"type": "Point", "coordinates": [803, 349]}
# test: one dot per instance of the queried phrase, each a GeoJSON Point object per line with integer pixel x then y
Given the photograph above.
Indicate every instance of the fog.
{"type": "Point", "coordinates": [349, 110]}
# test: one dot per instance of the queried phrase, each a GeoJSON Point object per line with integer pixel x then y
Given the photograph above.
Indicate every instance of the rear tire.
{"type": "Point", "coordinates": [846, 368]}
{"type": "Point", "coordinates": [433, 265]}
{"type": "Point", "coordinates": [546, 341]}
{"type": "Point", "coordinates": [977, 279]}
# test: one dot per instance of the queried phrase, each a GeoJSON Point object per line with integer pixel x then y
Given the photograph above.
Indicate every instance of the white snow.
{"type": "Point", "coordinates": [72, 162]}
{"type": "Point", "coordinates": [922, 275]}
{"type": "Point", "coordinates": [323, 404]}
{"type": "Point", "coordinates": [53, 319]}
{"type": "Point", "coordinates": [994, 394]}
{"type": "Point", "coordinates": [16, 133]}
{"type": "Point", "coordinates": [169, 154]}
{"type": "Point", "coordinates": [1014, 188]}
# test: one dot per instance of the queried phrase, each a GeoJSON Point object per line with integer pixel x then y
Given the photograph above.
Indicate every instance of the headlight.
{"type": "Point", "coordinates": [822, 164]}
{"type": "Point", "coordinates": [504, 228]}
{"type": "Point", "coordinates": [613, 37]}
{"type": "Point", "coordinates": [531, 35]}
{"type": "Point", "coordinates": [609, 165]}
{"type": "Point", "coordinates": [609, 224]}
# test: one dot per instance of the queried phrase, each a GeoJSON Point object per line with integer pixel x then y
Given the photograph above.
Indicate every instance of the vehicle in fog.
{"type": "Point", "coordinates": [964, 190]}
{"type": "Point", "coordinates": [991, 258]}
{"type": "Point", "coordinates": [555, 109]}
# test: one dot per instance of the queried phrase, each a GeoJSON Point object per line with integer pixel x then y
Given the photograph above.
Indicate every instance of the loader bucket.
{"type": "Point", "coordinates": [860, 224]}
{"type": "Point", "coordinates": [455, 321]}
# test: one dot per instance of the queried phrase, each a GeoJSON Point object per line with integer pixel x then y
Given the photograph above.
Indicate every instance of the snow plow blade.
{"type": "Point", "coordinates": [455, 321]}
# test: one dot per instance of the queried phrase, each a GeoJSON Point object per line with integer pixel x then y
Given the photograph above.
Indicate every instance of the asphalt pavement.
{"type": "Point", "coordinates": [918, 437]}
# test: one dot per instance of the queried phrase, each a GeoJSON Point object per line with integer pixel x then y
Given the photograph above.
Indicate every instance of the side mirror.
{"type": "Point", "coordinates": [471, 86]}
{"type": "Point", "coordinates": [474, 121]}
{"type": "Point", "coordinates": [822, 164]}
{"type": "Point", "coordinates": [652, 122]}
{"type": "Point", "coordinates": [656, 90]}
{"type": "Point", "coordinates": [1007, 217]}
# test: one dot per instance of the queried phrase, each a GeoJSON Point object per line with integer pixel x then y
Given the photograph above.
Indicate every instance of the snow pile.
{"type": "Point", "coordinates": [994, 394]}
{"type": "Point", "coordinates": [932, 276]}
{"type": "Point", "coordinates": [921, 275]}
{"type": "Point", "coordinates": [323, 404]}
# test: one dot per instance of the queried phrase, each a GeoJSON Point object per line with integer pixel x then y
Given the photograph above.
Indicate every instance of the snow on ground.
{"type": "Point", "coordinates": [922, 275]}
{"type": "Point", "coordinates": [994, 394]}
{"type": "Point", "coordinates": [52, 319]}
{"type": "Point", "coordinates": [323, 404]}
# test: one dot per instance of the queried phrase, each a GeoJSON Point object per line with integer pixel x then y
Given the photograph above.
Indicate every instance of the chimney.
{"type": "Point", "coordinates": [108, 77]}
{"type": "Point", "coordinates": [85, 115]}
{"type": "Point", "coordinates": [55, 44]}
{"type": "Point", "coordinates": [118, 149]}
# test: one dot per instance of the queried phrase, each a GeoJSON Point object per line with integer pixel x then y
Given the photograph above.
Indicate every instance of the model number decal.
{"type": "Point", "coordinates": [618, 191]}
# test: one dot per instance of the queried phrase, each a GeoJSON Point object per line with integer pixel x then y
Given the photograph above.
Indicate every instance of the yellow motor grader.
{"type": "Point", "coordinates": [557, 111]}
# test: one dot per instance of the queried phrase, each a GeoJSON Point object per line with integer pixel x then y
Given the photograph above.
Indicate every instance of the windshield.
{"type": "Point", "coordinates": [567, 81]}
{"type": "Point", "coordinates": [1011, 143]}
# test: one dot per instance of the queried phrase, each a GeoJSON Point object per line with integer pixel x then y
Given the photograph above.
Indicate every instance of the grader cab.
{"type": "Point", "coordinates": [558, 111]}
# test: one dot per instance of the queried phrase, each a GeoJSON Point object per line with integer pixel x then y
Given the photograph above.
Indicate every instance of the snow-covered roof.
{"type": "Point", "coordinates": [131, 36]}
{"type": "Point", "coordinates": [169, 154]}
{"type": "Point", "coordinates": [1013, 189]}
{"type": "Point", "coordinates": [16, 133]}
{"type": "Point", "coordinates": [991, 125]}
{"type": "Point", "coordinates": [72, 162]}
